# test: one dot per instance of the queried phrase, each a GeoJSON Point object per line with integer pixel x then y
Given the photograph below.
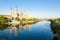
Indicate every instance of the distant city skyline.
{"type": "Point", "coordinates": [39, 8]}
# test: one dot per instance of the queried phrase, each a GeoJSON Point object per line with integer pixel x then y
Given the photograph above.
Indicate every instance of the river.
{"type": "Point", "coordinates": [38, 31]}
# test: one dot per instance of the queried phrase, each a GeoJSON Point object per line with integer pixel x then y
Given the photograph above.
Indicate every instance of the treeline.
{"type": "Point", "coordinates": [28, 19]}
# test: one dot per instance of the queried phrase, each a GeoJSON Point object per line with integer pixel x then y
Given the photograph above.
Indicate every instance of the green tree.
{"type": "Point", "coordinates": [4, 20]}
{"type": "Point", "coordinates": [17, 18]}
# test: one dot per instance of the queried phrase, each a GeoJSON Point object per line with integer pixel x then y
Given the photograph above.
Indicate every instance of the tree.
{"type": "Point", "coordinates": [4, 20]}
{"type": "Point", "coordinates": [17, 19]}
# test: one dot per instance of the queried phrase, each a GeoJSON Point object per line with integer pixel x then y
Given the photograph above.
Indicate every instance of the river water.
{"type": "Point", "coordinates": [38, 31]}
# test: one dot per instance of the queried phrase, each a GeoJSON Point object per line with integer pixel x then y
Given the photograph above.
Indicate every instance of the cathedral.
{"type": "Point", "coordinates": [16, 14]}
{"type": "Point", "coordinates": [19, 15]}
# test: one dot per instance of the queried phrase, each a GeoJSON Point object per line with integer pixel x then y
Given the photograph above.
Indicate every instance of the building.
{"type": "Point", "coordinates": [16, 14]}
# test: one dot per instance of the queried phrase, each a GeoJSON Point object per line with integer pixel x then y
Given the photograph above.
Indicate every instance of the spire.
{"type": "Point", "coordinates": [21, 13]}
{"type": "Point", "coordinates": [29, 13]}
{"type": "Point", "coordinates": [16, 11]}
{"type": "Point", "coordinates": [11, 12]}
{"type": "Point", "coordinates": [16, 8]}
{"type": "Point", "coordinates": [24, 15]}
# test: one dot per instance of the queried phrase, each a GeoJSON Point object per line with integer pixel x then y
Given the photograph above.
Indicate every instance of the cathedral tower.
{"type": "Point", "coordinates": [16, 12]}
{"type": "Point", "coordinates": [21, 13]}
{"type": "Point", "coordinates": [29, 14]}
{"type": "Point", "coordinates": [10, 12]}
{"type": "Point", "coordinates": [24, 14]}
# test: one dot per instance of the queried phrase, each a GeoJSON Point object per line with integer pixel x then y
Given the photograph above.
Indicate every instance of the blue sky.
{"type": "Point", "coordinates": [40, 8]}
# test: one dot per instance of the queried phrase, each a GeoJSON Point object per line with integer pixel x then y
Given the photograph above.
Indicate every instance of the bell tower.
{"type": "Point", "coordinates": [10, 12]}
{"type": "Point", "coordinates": [29, 15]}
{"type": "Point", "coordinates": [16, 12]}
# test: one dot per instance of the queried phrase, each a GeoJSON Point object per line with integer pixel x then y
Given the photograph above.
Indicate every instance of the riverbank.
{"type": "Point", "coordinates": [55, 26]}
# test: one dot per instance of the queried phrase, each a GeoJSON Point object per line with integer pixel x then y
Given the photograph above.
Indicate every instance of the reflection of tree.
{"type": "Point", "coordinates": [3, 26]}
{"type": "Point", "coordinates": [23, 27]}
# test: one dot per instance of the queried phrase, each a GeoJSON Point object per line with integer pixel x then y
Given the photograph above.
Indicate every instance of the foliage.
{"type": "Point", "coordinates": [24, 19]}
{"type": "Point", "coordinates": [55, 25]}
{"type": "Point", "coordinates": [3, 26]}
{"type": "Point", "coordinates": [17, 19]}
{"type": "Point", "coordinates": [4, 20]}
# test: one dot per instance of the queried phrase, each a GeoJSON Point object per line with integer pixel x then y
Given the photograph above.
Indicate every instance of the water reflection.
{"type": "Point", "coordinates": [21, 27]}
{"type": "Point", "coordinates": [30, 27]}
{"type": "Point", "coordinates": [25, 26]}
{"type": "Point", "coordinates": [41, 31]}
